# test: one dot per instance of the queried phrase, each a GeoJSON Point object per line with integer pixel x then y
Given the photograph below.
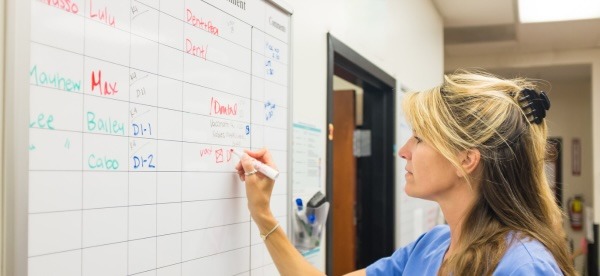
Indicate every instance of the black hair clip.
{"type": "Point", "coordinates": [537, 104]}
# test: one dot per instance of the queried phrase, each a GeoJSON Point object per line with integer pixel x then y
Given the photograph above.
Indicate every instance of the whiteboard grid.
{"type": "Point", "coordinates": [84, 95]}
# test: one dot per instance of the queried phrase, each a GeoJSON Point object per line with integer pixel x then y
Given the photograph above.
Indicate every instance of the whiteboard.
{"type": "Point", "coordinates": [134, 107]}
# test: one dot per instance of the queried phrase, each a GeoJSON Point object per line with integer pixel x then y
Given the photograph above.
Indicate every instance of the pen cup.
{"type": "Point", "coordinates": [308, 226]}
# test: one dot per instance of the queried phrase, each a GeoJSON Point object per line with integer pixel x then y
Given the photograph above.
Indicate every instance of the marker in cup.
{"type": "Point", "coordinates": [260, 166]}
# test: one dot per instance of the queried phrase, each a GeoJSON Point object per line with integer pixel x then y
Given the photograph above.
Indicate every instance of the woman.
{"type": "Point", "coordinates": [478, 150]}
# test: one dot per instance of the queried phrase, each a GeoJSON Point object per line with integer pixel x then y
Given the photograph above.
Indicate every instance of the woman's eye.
{"type": "Point", "coordinates": [419, 140]}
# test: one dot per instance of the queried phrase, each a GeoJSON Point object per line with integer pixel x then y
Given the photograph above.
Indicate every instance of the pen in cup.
{"type": "Point", "coordinates": [301, 213]}
{"type": "Point", "coordinates": [299, 204]}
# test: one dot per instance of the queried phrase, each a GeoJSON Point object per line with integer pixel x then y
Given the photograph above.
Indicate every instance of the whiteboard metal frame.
{"type": "Point", "coordinates": [16, 164]}
{"type": "Point", "coordinates": [2, 116]}
{"type": "Point", "coordinates": [290, 129]}
{"type": "Point", "coordinates": [286, 7]}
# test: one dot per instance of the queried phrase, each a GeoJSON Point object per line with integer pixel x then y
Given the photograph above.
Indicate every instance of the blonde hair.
{"type": "Point", "coordinates": [476, 110]}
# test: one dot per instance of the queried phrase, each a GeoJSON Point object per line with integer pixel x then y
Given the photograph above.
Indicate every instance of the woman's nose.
{"type": "Point", "coordinates": [404, 152]}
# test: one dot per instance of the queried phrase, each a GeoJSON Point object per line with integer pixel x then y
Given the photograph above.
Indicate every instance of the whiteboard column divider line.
{"type": "Point", "coordinates": [156, 151]}
{"type": "Point", "coordinates": [251, 131]}
{"type": "Point", "coordinates": [129, 119]}
{"type": "Point", "coordinates": [82, 141]}
{"type": "Point", "coordinates": [181, 155]}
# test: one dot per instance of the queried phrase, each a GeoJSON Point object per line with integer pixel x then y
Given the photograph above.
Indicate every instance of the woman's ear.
{"type": "Point", "coordinates": [469, 160]}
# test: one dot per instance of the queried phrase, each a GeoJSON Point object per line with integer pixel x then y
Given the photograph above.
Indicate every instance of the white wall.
{"type": "Point", "coordinates": [342, 84]}
{"type": "Point", "coordinates": [404, 38]}
{"type": "Point", "coordinates": [570, 117]}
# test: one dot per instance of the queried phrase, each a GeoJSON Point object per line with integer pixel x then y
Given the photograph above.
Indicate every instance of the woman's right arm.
{"type": "Point", "coordinates": [258, 190]}
{"type": "Point", "coordinates": [362, 272]}
{"type": "Point", "coordinates": [285, 256]}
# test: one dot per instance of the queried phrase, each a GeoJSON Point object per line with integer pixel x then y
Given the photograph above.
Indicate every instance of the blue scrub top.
{"type": "Point", "coordinates": [424, 257]}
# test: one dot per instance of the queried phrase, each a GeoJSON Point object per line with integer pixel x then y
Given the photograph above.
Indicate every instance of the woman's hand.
{"type": "Point", "coordinates": [258, 186]}
{"type": "Point", "coordinates": [258, 190]}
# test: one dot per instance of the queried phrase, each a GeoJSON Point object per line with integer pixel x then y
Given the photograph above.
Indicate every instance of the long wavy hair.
{"type": "Point", "coordinates": [476, 110]}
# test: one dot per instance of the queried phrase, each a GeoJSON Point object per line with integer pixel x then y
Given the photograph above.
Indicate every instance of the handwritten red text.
{"type": "Point", "coordinates": [65, 5]}
{"type": "Point", "coordinates": [105, 88]}
{"type": "Point", "coordinates": [199, 51]}
{"type": "Point", "coordinates": [102, 15]}
{"type": "Point", "coordinates": [205, 152]}
{"type": "Point", "coordinates": [201, 24]}
{"type": "Point", "coordinates": [217, 108]}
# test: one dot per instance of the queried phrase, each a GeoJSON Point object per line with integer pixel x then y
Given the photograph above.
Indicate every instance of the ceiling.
{"type": "Point", "coordinates": [571, 72]}
{"type": "Point", "coordinates": [486, 27]}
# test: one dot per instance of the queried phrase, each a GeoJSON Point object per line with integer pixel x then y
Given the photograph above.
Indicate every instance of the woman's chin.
{"type": "Point", "coordinates": [409, 190]}
{"type": "Point", "coordinates": [412, 192]}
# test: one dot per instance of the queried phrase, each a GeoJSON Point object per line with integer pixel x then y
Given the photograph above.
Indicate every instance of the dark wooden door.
{"type": "Point", "coordinates": [344, 184]}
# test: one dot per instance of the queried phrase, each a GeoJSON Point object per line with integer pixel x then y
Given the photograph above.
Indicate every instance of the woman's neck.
{"type": "Point", "coordinates": [456, 206]}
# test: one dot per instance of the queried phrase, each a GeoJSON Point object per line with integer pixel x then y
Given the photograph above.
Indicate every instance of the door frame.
{"type": "Point", "coordinates": [555, 158]}
{"type": "Point", "coordinates": [380, 88]}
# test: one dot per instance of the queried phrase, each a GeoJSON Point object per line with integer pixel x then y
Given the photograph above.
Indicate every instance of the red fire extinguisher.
{"type": "Point", "coordinates": [575, 206]}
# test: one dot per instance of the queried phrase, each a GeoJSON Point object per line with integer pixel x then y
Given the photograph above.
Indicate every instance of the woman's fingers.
{"type": "Point", "coordinates": [240, 171]}
{"type": "Point", "coordinates": [246, 164]}
{"type": "Point", "coordinates": [262, 155]}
